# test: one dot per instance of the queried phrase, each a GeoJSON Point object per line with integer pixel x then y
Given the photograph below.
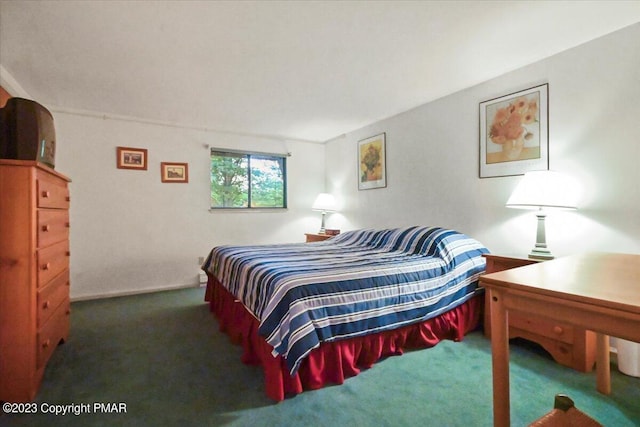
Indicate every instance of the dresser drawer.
{"type": "Point", "coordinates": [53, 226]}
{"type": "Point", "coordinates": [543, 327]}
{"type": "Point", "coordinates": [51, 296]}
{"type": "Point", "coordinates": [55, 330]}
{"type": "Point", "coordinates": [52, 192]}
{"type": "Point", "coordinates": [52, 261]}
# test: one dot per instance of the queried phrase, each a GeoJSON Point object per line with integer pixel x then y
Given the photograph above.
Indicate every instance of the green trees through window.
{"type": "Point", "coordinates": [248, 180]}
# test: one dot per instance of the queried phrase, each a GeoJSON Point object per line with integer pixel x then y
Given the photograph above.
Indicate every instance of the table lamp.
{"type": "Point", "coordinates": [543, 190]}
{"type": "Point", "coordinates": [324, 203]}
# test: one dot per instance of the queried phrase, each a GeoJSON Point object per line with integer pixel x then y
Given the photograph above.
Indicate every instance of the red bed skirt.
{"type": "Point", "coordinates": [332, 362]}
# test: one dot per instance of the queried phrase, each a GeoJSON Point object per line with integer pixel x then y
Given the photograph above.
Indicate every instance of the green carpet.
{"type": "Point", "coordinates": [162, 355]}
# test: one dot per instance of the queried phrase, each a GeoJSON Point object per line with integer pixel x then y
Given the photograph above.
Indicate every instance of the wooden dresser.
{"type": "Point", "coordinates": [34, 273]}
{"type": "Point", "coordinates": [568, 345]}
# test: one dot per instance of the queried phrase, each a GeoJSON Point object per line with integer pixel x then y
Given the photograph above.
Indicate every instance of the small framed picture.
{"type": "Point", "coordinates": [514, 133]}
{"type": "Point", "coordinates": [372, 170]}
{"type": "Point", "coordinates": [174, 172]}
{"type": "Point", "coordinates": [131, 158]}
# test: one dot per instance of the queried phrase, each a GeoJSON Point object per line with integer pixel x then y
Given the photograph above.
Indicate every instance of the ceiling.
{"type": "Point", "coordinates": [308, 71]}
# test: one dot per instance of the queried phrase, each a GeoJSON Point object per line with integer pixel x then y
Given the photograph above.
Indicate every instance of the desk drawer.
{"type": "Point", "coordinates": [543, 327]}
{"type": "Point", "coordinates": [53, 226]}
{"type": "Point", "coordinates": [51, 296]}
{"type": "Point", "coordinates": [52, 261]}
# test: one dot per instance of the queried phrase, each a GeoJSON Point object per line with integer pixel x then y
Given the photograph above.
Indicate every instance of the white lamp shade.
{"type": "Point", "coordinates": [544, 189]}
{"type": "Point", "coordinates": [324, 202]}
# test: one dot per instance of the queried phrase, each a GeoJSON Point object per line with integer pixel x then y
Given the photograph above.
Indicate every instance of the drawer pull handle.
{"type": "Point", "coordinates": [46, 227]}
{"type": "Point", "coordinates": [68, 253]}
{"type": "Point", "coordinates": [46, 343]}
{"type": "Point", "coordinates": [557, 330]}
{"type": "Point", "coordinates": [67, 224]}
{"type": "Point", "coordinates": [68, 312]}
{"type": "Point", "coordinates": [45, 194]}
{"type": "Point", "coordinates": [45, 305]}
{"type": "Point", "coordinates": [46, 266]}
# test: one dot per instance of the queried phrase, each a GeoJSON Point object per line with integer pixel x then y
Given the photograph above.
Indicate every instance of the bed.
{"type": "Point", "coordinates": [313, 314]}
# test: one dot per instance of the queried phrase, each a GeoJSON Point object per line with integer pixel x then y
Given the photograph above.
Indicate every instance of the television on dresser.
{"type": "Point", "coordinates": [27, 132]}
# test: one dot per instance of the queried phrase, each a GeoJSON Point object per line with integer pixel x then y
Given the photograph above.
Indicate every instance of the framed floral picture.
{"type": "Point", "coordinates": [131, 158]}
{"type": "Point", "coordinates": [514, 133]}
{"type": "Point", "coordinates": [372, 170]}
{"type": "Point", "coordinates": [174, 172]}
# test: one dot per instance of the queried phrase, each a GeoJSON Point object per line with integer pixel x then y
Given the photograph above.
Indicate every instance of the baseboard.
{"type": "Point", "coordinates": [136, 292]}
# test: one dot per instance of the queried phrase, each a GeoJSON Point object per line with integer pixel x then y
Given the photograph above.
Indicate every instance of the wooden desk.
{"type": "Point", "coordinates": [599, 292]}
{"type": "Point", "coordinates": [568, 345]}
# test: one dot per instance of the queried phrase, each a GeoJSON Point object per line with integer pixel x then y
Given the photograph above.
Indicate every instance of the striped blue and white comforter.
{"type": "Point", "coordinates": [356, 283]}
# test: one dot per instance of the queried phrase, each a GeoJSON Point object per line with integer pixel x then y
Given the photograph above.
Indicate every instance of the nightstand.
{"type": "Point", "coordinates": [317, 237]}
{"type": "Point", "coordinates": [568, 345]}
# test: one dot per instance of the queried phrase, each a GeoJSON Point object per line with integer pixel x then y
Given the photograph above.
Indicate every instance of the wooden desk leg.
{"type": "Point", "coordinates": [499, 359]}
{"type": "Point", "coordinates": [603, 368]}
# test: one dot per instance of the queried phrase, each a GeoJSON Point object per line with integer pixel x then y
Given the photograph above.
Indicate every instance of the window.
{"type": "Point", "coordinates": [248, 180]}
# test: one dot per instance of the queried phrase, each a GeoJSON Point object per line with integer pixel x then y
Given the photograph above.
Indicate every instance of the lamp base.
{"type": "Point", "coordinates": [540, 250]}
{"type": "Point", "coordinates": [322, 229]}
{"type": "Point", "coordinates": [538, 253]}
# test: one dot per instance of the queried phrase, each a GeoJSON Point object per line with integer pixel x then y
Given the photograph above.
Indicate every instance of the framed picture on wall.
{"type": "Point", "coordinates": [174, 172]}
{"type": "Point", "coordinates": [131, 158]}
{"type": "Point", "coordinates": [514, 133]}
{"type": "Point", "coordinates": [372, 169]}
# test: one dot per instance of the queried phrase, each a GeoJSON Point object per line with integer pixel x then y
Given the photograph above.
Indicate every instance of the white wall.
{"type": "Point", "coordinates": [130, 232]}
{"type": "Point", "coordinates": [432, 157]}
